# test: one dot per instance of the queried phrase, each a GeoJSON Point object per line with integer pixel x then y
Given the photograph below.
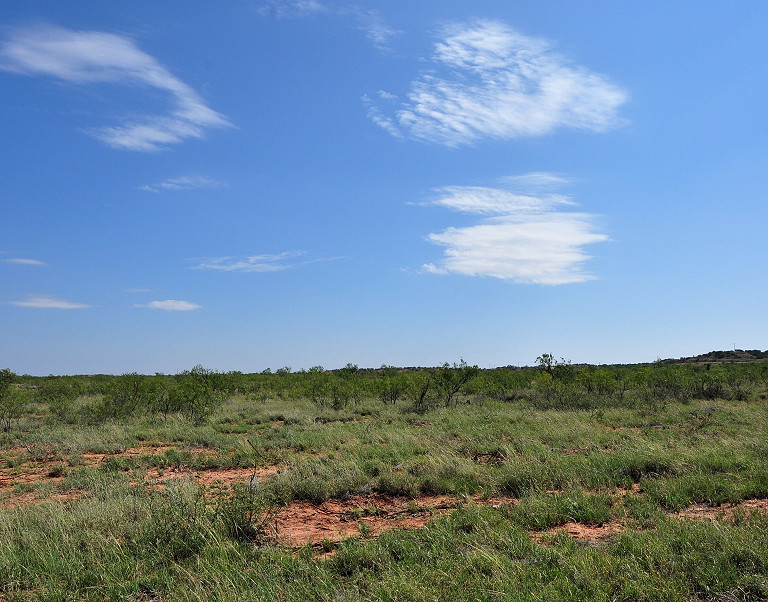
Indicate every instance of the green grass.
{"type": "Point", "coordinates": [124, 541]}
{"type": "Point", "coordinates": [176, 550]}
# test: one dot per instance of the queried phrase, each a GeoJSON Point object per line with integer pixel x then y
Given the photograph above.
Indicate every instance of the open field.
{"type": "Point", "coordinates": [553, 483]}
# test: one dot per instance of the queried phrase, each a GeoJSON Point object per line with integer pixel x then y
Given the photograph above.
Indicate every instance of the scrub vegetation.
{"type": "Point", "coordinates": [551, 482]}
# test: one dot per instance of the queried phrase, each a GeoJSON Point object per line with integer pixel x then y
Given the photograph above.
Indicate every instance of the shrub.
{"type": "Point", "coordinates": [12, 404]}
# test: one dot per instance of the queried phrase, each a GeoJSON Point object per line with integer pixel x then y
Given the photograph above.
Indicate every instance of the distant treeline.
{"type": "Point", "coordinates": [736, 355]}
{"type": "Point", "coordinates": [552, 384]}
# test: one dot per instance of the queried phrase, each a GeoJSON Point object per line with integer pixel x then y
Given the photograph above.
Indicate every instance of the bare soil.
{"type": "Point", "coordinates": [587, 534]}
{"type": "Point", "coordinates": [21, 477]}
{"type": "Point", "coordinates": [726, 511]}
{"type": "Point", "coordinates": [304, 523]}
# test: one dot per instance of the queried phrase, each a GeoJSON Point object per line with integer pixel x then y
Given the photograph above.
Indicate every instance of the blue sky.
{"type": "Point", "coordinates": [256, 184]}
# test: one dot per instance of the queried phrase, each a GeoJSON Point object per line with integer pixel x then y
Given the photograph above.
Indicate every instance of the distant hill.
{"type": "Point", "coordinates": [730, 356]}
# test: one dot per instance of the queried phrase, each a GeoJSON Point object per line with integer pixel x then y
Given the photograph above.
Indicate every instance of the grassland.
{"type": "Point", "coordinates": [555, 483]}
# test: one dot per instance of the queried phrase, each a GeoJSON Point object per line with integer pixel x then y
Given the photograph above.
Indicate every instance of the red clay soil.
{"type": "Point", "coordinates": [303, 523]}
{"type": "Point", "coordinates": [633, 491]}
{"type": "Point", "coordinates": [702, 511]}
{"type": "Point", "coordinates": [132, 452]}
{"type": "Point", "coordinates": [601, 533]}
{"type": "Point", "coordinates": [215, 478]}
{"type": "Point", "coordinates": [16, 471]}
{"type": "Point", "coordinates": [583, 533]}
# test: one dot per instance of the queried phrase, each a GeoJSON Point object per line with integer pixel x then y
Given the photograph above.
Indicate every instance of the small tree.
{"type": "Point", "coordinates": [11, 400]}
{"type": "Point", "coordinates": [351, 387]}
{"type": "Point", "coordinates": [317, 385]}
{"type": "Point", "coordinates": [391, 386]}
{"type": "Point", "coordinates": [157, 393]}
{"type": "Point", "coordinates": [58, 394]}
{"type": "Point", "coordinates": [419, 391]}
{"type": "Point", "coordinates": [194, 394]}
{"type": "Point", "coordinates": [6, 378]}
{"type": "Point", "coordinates": [546, 362]}
{"type": "Point", "coordinates": [450, 379]}
{"type": "Point", "coordinates": [124, 396]}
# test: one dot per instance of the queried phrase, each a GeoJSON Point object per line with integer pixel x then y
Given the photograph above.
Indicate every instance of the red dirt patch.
{"type": "Point", "coordinates": [91, 458]}
{"type": "Point", "coordinates": [597, 534]}
{"type": "Point", "coordinates": [218, 478]}
{"type": "Point", "coordinates": [704, 511]}
{"type": "Point", "coordinates": [583, 533]}
{"type": "Point", "coordinates": [304, 523]}
{"type": "Point", "coordinates": [20, 477]}
{"type": "Point", "coordinates": [633, 491]}
{"type": "Point", "coordinates": [9, 479]}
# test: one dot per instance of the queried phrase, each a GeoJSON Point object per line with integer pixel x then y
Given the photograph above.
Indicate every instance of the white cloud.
{"type": "Point", "coordinates": [85, 57]}
{"type": "Point", "coordinates": [291, 9]}
{"type": "Point", "coordinates": [378, 32]}
{"type": "Point", "coordinates": [48, 302]}
{"type": "Point", "coordinates": [535, 182]}
{"type": "Point", "coordinates": [172, 305]}
{"type": "Point", "coordinates": [370, 21]}
{"type": "Point", "coordinates": [527, 239]}
{"type": "Point", "coordinates": [493, 201]}
{"type": "Point", "coordinates": [183, 183]}
{"type": "Point", "coordinates": [23, 261]}
{"type": "Point", "coordinates": [498, 83]}
{"type": "Point", "coordinates": [255, 263]}
{"type": "Point", "coordinates": [383, 94]}
{"type": "Point", "coordinates": [378, 117]}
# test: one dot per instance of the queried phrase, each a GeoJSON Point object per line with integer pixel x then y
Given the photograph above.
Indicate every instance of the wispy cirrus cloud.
{"type": "Point", "coordinates": [171, 305]}
{"type": "Point", "coordinates": [190, 182]}
{"type": "Point", "coordinates": [90, 57]}
{"type": "Point", "coordinates": [24, 261]}
{"type": "Point", "coordinates": [376, 29]}
{"type": "Point", "coordinates": [49, 302]}
{"type": "Point", "coordinates": [378, 117]}
{"type": "Point", "coordinates": [291, 9]}
{"type": "Point", "coordinates": [368, 20]}
{"type": "Point", "coordinates": [494, 201]}
{"type": "Point", "coordinates": [526, 238]}
{"type": "Point", "coordinates": [535, 182]}
{"type": "Point", "coordinates": [257, 263]}
{"type": "Point", "coordinates": [490, 81]}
